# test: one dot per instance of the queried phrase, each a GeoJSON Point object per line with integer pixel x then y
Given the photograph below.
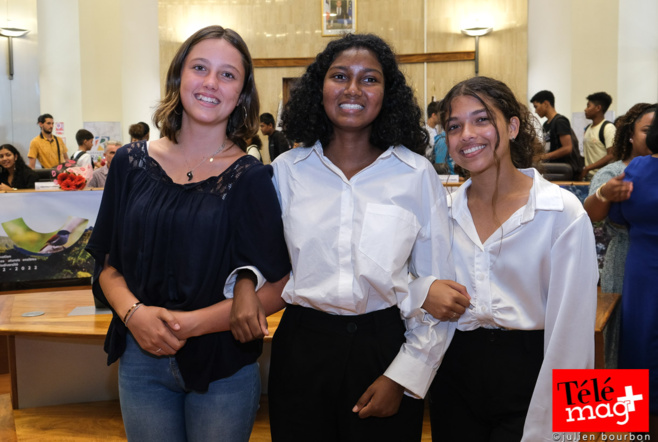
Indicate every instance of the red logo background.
{"type": "Point", "coordinates": [587, 393]}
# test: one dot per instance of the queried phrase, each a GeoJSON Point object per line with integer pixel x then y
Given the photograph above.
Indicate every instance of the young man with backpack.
{"type": "Point", "coordinates": [599, 136]}
{"type": "Point", "coordinates": [85, 141]}
{"type": "Point", "coordinates": [560, 141]}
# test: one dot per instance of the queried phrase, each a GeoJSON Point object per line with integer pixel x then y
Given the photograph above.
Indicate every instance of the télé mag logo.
{"type": "Point", "coordinates": [600, 400]}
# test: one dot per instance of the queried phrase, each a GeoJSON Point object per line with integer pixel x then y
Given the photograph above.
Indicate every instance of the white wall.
{"type": "Point", "coordinates": [638, 53]}
{"type": "Point", "coordinates": [140, 71]}
{"type": "Point", "coordinates": [19, 98]}
{"type": "Point", "coordinates": [59, 69]}
{"type": "Point", "coordinates": [568, 55]}
{"type": "Point", "coordinates": [550, 52]}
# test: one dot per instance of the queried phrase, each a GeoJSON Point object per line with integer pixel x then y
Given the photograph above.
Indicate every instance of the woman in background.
{"type": "Point", "coordinates": [524, 249]}
{"type": "Point", "coordinates": [14, 173]}
{"type": "Point", "coordinates": [608, 186]}
{"type": "Point", "coordinates": [178, 216]}
{"type": "Point", "coordinates": [638, 346]}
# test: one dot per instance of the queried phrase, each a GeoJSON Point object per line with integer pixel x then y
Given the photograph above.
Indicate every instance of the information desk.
{"type": "Point", "coordinates": [58, 358]}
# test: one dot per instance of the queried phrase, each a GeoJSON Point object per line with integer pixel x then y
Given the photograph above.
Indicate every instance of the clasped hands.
{"type": "Point", "coordinates": [160, 331]}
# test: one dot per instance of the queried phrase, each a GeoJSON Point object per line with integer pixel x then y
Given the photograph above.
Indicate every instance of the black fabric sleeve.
{"type": "Point", "coordinates": [106, 229]}
{"type": "Point", "coordinates": [259, 239]}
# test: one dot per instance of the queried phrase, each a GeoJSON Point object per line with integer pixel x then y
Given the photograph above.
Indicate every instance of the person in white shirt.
{"type": "Point", "coordinates": [431, 125]}
{"type": "Point", "coordinates": [85, 141]}
{"type": "Point", "coordinates": [360, 212]}
{"type": "Point", "coordinates": [524, 248]}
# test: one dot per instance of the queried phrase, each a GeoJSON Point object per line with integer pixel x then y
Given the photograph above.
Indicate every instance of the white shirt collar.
{"type": "Point", "coordinates": [544, 195]}
{"type": "Point", "coordinates": [402, 153]}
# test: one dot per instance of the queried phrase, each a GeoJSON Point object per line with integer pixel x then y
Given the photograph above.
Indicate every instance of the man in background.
{"type": "Point", "coordinates": [100, 174]}
{"type": "Point", "coordinates": [599, 136]}
{"type": "Point", "coordinates": [559, 139]}
{"type": "Point", "coordinates": [278, 143]}
{"type": "Point", "coordinates": [49, 149]}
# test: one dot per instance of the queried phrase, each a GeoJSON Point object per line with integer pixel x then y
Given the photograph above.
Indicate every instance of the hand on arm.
{"type": "Point", "coordinates": [381, 399]}
{"type": "Point", "coordinates": [614, 190]}
{"type": "Point", "coordinates": [248, 320]}
{"type": "Point", "coordinates": [152, 327]}
{"type": "Point", "coordinates": [446, 300]}
{"type": "Point", "coordinates": [217, 317]}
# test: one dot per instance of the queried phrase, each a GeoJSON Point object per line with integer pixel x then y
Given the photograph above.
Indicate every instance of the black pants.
{"type": "Point", "coordinates": [321, 364]}
{"type": "Point", "coordinates": [484, 385]}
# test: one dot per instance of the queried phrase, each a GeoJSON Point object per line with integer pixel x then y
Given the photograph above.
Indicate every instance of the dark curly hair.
{"type": "Point", "coordinates": [526, 147]}
{"type": "Point", "coordinates": [399, 121]}
{"type": "Point", "coordinates": [622, 149]}
{"type": "Point", "coordinates": [243, 121]}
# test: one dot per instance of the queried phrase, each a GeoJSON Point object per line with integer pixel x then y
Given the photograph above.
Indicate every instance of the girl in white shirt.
{"type": "Point", "coordinates": [524, 249]}
{"type": "Point", "coordinates": [360, 212]}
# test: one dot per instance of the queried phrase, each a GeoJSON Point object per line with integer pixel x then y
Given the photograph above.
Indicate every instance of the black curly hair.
{"type": "Point", "coordinates": [622, 149]}
{"type": "Point", "coordinates": [526, 147]}
{"type": "Point", "coordinates": [399, 121]}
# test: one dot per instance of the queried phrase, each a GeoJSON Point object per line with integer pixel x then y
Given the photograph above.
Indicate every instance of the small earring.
{"type": "Point", "coordinates": [244, 112]}
{"type": "Point", "coordinates": [513, 139]}
{"type": "Point", "coordinates": [631, 140]}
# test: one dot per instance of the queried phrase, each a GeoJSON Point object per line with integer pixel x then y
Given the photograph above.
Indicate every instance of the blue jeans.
{"type": "Point", "coordinates": [156, 406]}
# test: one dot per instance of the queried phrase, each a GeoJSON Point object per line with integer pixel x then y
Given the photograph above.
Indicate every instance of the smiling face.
{"type": "Point", "coordinates": [639, 139]}
{"type": "Point", "coordinates": [472, 137]}
{"type": "Point", "coordinates": [211, 81]}
{"type": "Point", "coordinates": [7, 159]}
{"type": "Point", "coordinates": [353, 90]}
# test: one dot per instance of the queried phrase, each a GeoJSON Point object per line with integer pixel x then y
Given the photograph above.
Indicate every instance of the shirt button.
{"type": "Point", "coordinates": [351, 327]}
{"type": "Point", "coordinates": [479, 276]}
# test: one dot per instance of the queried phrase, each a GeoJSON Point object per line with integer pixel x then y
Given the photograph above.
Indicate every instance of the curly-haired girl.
{"type": "Point", "coordinates": [361, 211]}
{"type": "Point", "coordinates": [608, 186]}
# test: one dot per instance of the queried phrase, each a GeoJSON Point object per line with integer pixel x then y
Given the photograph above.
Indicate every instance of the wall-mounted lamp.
{"type": "Point", "coordinates": [477, 33]}
{"type": "Point", "coordinates": [12, 33]}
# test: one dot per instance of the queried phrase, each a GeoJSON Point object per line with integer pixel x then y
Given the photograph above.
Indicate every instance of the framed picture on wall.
{"type": "Point", "coordinates": [338, 17]}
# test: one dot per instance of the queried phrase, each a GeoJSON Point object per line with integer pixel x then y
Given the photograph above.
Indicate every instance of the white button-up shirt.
{"type": "Point", "coordinates": [354, 242]}
{"type": "Point", "coordinates": [538, 271]}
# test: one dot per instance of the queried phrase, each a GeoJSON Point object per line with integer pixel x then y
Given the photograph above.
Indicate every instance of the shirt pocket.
{"type": "Point", "coordinates": [388, 235]}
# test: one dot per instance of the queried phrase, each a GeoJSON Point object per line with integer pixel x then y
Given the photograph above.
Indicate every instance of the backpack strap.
{"type": "Point", "coordinates": [602, 131]}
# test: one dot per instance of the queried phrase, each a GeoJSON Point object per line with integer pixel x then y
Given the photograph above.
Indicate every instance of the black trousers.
{"type": "Point", "coordinates": [484, 385]}
{"type": "Point", "coordinates": [321, 364]}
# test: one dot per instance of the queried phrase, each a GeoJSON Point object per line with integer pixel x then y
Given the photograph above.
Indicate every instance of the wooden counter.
{"type": "Point", "coordinates": [56, 358]}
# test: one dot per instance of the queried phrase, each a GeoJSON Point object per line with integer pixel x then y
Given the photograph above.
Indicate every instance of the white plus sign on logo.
{"type": "Point", "coordinates": [630, 398]}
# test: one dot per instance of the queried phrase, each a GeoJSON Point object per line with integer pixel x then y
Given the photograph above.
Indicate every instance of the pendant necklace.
{"type": "Point", "coordinates": [189, 174]}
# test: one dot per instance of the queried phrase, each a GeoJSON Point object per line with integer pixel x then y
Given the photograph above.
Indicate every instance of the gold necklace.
{"type": "Point", "coordinates": [189, 174]}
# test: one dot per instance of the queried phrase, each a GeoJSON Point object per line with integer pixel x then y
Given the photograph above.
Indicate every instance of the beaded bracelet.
{"type": "Point", "coordinates": [130, 311]}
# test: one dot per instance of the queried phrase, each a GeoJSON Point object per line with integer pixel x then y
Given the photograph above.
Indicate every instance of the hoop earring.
{"type": "Point", "coordinates": [244, 115]}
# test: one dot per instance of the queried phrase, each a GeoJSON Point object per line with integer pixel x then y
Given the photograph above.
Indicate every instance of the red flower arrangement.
{"type": "Point", "coordinates": [71, 181]}
{"type": "Point", "coordinates": [69, 177]}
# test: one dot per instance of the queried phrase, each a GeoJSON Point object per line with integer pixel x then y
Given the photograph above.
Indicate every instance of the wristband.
{"type": "Point", "coordinates": [600, 196]}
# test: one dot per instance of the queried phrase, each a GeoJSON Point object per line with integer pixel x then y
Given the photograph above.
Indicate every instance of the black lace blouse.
{"type": "Point", "coordinates": [175, 245]}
